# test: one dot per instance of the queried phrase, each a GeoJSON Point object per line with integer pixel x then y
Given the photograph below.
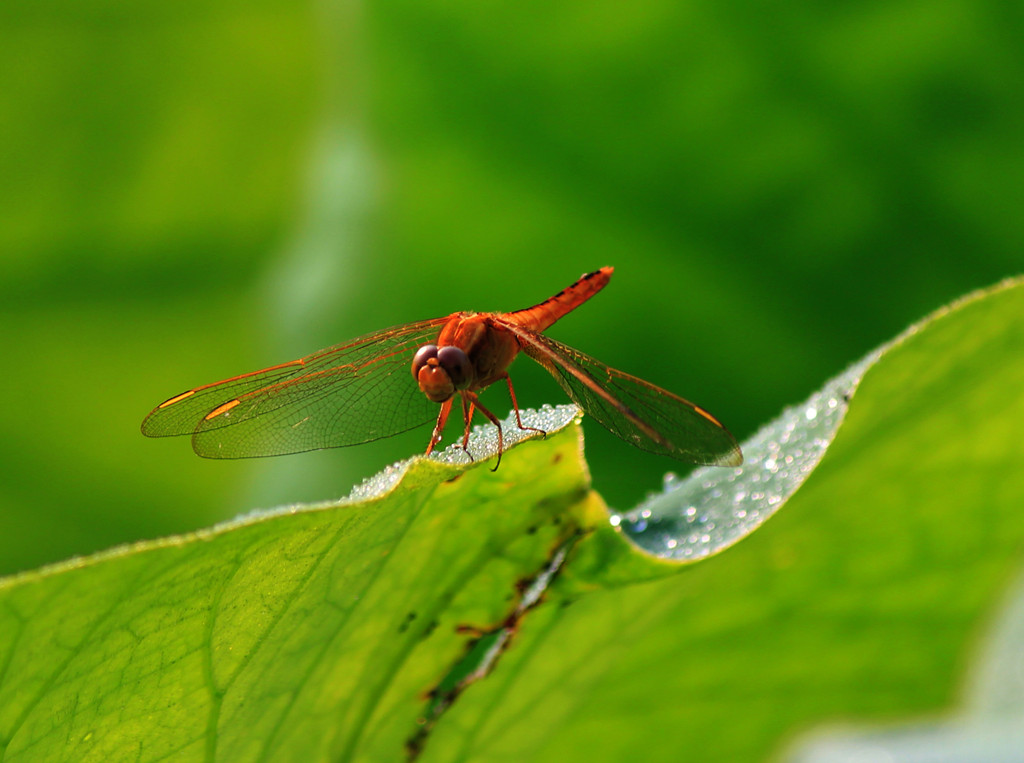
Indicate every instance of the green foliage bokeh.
{"type": "Point", "coordinates": [191, 191]}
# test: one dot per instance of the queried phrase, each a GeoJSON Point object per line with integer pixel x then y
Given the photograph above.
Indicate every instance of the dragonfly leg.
{"type": "Point", "coordinates": [475, 402]}
{"type": "Point", "coordinates": [442, 418]}
{"type": "Point", "coordinates": [467, 417]}
{"type": "Point", "coordinates": [515, 408]}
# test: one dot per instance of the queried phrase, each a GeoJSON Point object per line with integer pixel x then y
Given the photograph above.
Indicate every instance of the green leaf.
{"type": "Point", "coordinates": [448, 612]}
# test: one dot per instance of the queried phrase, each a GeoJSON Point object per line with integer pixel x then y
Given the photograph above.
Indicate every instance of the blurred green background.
{"type": "Point", "coordinates": [190, 191]}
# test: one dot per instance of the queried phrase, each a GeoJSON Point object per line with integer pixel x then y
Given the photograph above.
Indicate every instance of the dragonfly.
{"type": "Point", "coordinates": [361, 390]}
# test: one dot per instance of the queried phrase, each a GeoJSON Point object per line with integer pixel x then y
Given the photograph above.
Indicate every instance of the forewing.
{"type": "Point", "coordinates": [642, 414]}
{"type": "Point", "coordinates": [351, 393]}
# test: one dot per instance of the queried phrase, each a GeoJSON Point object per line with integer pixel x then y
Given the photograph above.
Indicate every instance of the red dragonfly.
{"type": "Point", "coordinates": [360, 391]}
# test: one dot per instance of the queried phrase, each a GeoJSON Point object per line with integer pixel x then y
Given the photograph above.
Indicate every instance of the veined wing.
{"type": "Point", "coordinates": [642, 414]}
{"type": "Point", "coordinates": [343, 395]}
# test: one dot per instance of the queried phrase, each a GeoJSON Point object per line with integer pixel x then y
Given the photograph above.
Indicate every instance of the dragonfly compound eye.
{"type": "Point", "coordinates": [454, 361]}
{"type": "Point", "coordinates": [423, 354]}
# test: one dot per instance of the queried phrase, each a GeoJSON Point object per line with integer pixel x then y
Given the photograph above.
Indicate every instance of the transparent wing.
{"type": "Point", "coordinates": [642, 414]}
{"type": "Point", "coordinates": [351, 393]}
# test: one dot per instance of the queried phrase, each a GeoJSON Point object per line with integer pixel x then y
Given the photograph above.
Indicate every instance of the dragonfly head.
{"type": "Point", "coordinates": [440, 372]}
